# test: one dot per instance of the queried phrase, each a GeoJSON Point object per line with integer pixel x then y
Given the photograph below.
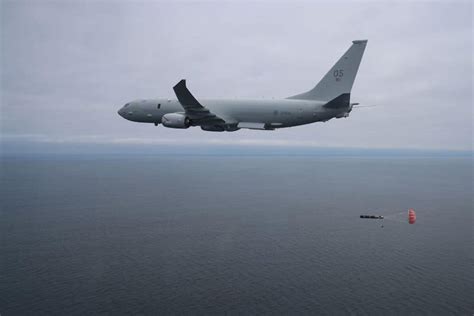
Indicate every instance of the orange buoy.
{"type": "Point", "coordinates": [411, 216]}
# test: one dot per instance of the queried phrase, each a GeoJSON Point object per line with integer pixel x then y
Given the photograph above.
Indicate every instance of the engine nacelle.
{"type": "Point", "coordinates": [175, 120]}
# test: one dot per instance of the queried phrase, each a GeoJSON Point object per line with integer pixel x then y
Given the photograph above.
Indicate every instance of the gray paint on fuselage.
{"type": "Point", "coordinates": [278, 113]}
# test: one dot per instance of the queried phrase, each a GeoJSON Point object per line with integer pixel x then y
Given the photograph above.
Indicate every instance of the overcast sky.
{"type": "Point", "coordinates": [68, 66]}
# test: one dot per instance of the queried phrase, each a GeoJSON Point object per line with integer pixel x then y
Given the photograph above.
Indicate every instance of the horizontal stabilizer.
{"type": "Point", "coordinates": [342, 101]}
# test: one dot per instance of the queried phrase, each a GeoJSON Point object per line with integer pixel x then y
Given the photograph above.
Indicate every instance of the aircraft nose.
{"type": "Point", "coordinates": [121, 112]}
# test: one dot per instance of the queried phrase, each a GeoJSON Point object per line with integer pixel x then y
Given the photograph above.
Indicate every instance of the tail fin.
{"type": "Point", "coordinates": [340, 78]}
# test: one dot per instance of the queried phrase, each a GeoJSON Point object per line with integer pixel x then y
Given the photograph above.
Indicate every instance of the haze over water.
{"type": "Point", "coordinates": [240, 235]}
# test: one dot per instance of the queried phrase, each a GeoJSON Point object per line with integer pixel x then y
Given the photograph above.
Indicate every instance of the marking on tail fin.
{"type": "Point", "coordinates": [338, 73]}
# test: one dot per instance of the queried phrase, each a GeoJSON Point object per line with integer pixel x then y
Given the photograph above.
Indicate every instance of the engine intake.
{"type": "Point", "coordinates": [175, 120]}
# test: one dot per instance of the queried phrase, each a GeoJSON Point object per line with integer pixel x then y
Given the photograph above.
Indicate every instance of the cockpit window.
{"type": "Point", "coordinates": [159, 105]}
{"type": "Point", "coordinates": [126, 105]}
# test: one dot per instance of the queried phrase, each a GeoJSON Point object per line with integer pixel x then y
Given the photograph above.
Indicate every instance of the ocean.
{"type": "Point", "coordinates": [197, 234]}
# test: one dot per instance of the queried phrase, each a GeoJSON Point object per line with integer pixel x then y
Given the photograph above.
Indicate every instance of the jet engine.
{"type": "Point", "coordinates": [175, 120]}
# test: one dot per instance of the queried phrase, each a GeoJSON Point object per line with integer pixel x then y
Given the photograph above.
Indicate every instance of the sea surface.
{"type": "Point", "coordinates": [236, 235]}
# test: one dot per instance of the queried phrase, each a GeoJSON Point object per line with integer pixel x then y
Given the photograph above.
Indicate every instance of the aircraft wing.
{"type": "Point", "coordinates": [196, 112]}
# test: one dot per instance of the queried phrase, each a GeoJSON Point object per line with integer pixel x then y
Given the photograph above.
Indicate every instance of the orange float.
{"type": "Point", "coordinates": [411, 216]}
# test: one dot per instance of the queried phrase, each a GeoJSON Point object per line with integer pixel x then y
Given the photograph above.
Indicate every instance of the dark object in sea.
{"type": "Point", "coordinates": [372, 216]}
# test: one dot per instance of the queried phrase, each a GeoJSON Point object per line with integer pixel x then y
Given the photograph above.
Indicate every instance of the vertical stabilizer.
{"type": "Point", "coordinates": [340, 77]}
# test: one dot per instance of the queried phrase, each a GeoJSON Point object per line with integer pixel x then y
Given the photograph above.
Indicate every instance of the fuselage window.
{"type": "Point", "coordinates": [159, 105]}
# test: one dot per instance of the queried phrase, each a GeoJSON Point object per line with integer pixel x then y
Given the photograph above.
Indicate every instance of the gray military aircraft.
{"type": "Point", "coordinates": [330, 98]}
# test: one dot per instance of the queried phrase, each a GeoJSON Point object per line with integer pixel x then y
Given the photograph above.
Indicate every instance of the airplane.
{"type": "Point", "coordinates": [330, 98]}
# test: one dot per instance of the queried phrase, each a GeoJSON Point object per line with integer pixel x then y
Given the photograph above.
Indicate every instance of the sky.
{"type": "Point", "coordinates": [68, 66]}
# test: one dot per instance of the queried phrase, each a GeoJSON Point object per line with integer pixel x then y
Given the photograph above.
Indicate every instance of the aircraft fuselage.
{"type": "Point", "coordinates": [273, 113]}
{"type": "Point", "coordinates": [328, 99]}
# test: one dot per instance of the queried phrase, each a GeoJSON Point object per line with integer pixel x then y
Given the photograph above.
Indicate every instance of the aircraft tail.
{"type": "Point", "coordinates": [340, 78]}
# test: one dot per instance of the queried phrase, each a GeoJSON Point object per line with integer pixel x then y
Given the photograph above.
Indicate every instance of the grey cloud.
{"type": "Point", "coordinates": [67, 67]}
